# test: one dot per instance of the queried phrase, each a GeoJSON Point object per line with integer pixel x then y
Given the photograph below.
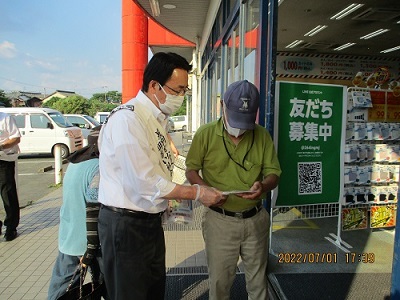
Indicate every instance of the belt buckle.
{"type": "Point", "coordinates": [239, 215]}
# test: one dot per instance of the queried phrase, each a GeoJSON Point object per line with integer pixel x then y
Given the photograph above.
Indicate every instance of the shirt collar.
{"type": "Point", "coordinates": [146, 101]}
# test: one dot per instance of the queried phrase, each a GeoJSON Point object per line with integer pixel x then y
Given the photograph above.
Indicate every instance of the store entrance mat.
{"type": "Point", "coordinates": [335, 286]}
{"type": "Point", "coordinates": [190, 287]}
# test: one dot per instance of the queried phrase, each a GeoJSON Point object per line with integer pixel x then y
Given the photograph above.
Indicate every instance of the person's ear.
{"type": "Point", "coordinates": [153, 85]}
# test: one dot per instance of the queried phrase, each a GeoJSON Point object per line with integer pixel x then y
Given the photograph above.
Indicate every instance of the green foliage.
{"type": "Point", "coordinates": [182, 110]}
{"type": "Point", "coordinates": [70, 105]}
{"type": "Point", "coordinates": [50, 103]}
{"type": "Point", "coordinates": [109, 97]}
{"type": "Point", "coordinates": [79, 105]}
{"type": "Point", "coordinates": [4, 99]}
{"type": "Point", "coordinates": [96, 105]}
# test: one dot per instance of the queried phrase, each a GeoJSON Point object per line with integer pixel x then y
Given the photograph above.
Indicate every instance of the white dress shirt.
{"type": "Point", "coordinates": [135, 158]}
{"type": "Point", "coordinates": [8, 130]}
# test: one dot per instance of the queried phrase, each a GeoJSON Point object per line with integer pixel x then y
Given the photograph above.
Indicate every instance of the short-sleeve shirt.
{"type": "Point", "coordinates": [218, 158]}
{"type": "Point", "coordinates": [9, 130]}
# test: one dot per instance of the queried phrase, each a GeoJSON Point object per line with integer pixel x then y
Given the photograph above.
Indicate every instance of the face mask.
{"type": "Point", "coordinates": [236, 132]}
{"type": "Point", "coordinates": [171, 104]}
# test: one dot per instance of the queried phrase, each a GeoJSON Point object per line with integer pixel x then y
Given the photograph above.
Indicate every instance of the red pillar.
{"type": "Point", "coordinates": [134, 48]}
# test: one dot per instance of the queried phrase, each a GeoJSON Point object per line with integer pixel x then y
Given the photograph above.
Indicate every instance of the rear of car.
{"type": "Point", "coordinates": [180, 122]}
{"type": "Point", "coordinates": [84, 122]}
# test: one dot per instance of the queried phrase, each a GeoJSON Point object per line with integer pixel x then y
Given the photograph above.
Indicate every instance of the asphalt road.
{"type": "Point", "coordinates": [36, 179]}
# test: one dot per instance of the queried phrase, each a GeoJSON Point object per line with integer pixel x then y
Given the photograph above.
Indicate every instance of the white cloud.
{"type": "Point", "coordinates": [32, 62]}
{"type": "Point", "coordinates": [7, 50]}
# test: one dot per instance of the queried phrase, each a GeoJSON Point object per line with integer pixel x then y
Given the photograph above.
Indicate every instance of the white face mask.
{"type": "Point", "coordinates": [171, 104]}
{"type": "Point", "coordinates": [236, 132]}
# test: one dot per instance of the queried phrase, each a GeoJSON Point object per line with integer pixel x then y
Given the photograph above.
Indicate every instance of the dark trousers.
{"type": "Point", "coordinates": [8, 190]}
{"type": "Point", "coordinates": [133, 252]}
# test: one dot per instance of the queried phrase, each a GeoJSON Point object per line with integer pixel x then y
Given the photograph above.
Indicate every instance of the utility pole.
{"type": "Point", "coordinates": [105, 93]}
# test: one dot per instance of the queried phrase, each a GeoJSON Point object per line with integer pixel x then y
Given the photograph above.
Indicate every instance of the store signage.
{"type": "Point", "coordinates": [322, 66]}
{"type": "Point", "coordinates": [383, 216]}
{"type": "Point", "coordinates": [354, 218]}
{"type": "Point", "coordinates": [309, 135]}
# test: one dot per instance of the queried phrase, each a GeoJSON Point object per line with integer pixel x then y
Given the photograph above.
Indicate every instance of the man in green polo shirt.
{"type": "Point", "coordinates": [237, 156]}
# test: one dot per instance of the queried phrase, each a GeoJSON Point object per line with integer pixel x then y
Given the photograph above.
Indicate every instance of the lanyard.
{"type": "Point", "coordinates": [230, 156]}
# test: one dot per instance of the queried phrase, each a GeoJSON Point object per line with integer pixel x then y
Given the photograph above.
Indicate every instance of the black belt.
{"type": "Point", "coordinates": [241, 215]}
{"type": "Point", "coordinates": [133, 213]}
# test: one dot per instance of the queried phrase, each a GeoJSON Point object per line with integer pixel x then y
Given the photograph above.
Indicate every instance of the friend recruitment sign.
{"type": "Point", "coordinates": [309, 136]}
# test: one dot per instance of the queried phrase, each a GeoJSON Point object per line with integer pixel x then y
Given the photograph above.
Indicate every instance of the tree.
{"type": "Point", "coordinates": [51, 103]}
{"type": "Point", "coordinates": [96, 105]}
{"type": "Point", "coordinates": [108, 97]}
{"type": "Point", "coordinates": [182, 110]}
{"type": "Point", "coordinates": [4, 99]}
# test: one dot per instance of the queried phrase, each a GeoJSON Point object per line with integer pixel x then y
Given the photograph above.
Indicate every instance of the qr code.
{"type": "Point", "coordinates": [310, 178]}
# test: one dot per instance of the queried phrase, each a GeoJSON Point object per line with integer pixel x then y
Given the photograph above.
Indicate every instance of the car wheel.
{"type": "Point", "coordinates": [64, 151]}
{"type": "Point", "coordinates": [184, 127]}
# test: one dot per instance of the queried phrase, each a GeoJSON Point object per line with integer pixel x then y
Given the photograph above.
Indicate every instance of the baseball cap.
{"type": "Point", "coordinates": [241, 101]}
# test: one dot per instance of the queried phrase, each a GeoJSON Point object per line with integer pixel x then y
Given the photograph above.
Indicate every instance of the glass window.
{"type": "Point", "coordinates": [78, 121]}
{"type": "Point", "coordinates": [252, 22]}
{"type": "Point", "coordinates": [92, 120]}
{"type": "Point", "coordinates": [233, 56]}
{"type": "Point", "coordinates": [20, 120]}
{"type": "Point", "coordinates": [60, 119]}
{"type": "Point", "coordinates": [39, 121]}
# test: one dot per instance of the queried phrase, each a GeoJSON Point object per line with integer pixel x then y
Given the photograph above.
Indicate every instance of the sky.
{"type": "Point", "coordinates": [49, 45]}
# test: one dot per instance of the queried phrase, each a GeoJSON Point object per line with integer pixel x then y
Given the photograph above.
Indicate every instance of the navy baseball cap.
{"type": "Point", "coordinates": [241, 101]}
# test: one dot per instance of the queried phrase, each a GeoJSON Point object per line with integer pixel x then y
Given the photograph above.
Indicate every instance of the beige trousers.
{"type": "Point", "coordinates": [226, 238]}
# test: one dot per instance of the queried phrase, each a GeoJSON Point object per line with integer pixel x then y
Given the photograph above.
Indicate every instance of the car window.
{"type": "Point", "coordinates": [39, 121]}
{"type": "Point", "coordinates": [20, 120]}
{"type": "Point", "coordinates": [92, 120]}
{"type": "Point", "coordinates": [77, 121]}
{"type": "Point", "coordinates": [60, 119]}
{"type": "Point", "coordinates": [178, 118]}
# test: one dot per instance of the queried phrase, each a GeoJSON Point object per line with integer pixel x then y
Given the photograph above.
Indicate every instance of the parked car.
{"type": "Point", "coordinates": [101, 116]}
{"type": "Point", "coordinates": [170, 125]}
{"type": "Point", "coordinates": [43, 128]}
{"type": "Point", "coordinates": [84, 122]}
{"type": "Point", "coordinates": [180, 122]}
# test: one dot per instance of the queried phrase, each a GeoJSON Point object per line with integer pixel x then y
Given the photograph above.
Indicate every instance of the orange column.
{"type": "Point", "coordinates": [134, 48]}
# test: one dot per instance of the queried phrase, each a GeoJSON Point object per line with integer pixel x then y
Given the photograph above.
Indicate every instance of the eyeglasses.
{"type": "Point", "coordinates": [182, 92]}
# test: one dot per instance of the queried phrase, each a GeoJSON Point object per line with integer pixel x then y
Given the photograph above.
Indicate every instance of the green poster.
{"type": "Point", "coordinates": [309, 134]}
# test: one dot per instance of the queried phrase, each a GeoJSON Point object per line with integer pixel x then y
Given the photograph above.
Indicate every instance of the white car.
{"type": "Point", "coordinates": [84, 122]}
{"type": "Point", "coordinates": [43, 128]}
{"type": "Point", "coordinates": [180, 122]}
{"type": "Point", "coordinates": [101, 116]}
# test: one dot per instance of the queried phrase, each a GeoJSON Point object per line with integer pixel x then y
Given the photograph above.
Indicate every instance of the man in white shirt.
{"type": "Point", "coordinates": [9, 139]}
{"type": "Point", "coordinates": [135, 182]}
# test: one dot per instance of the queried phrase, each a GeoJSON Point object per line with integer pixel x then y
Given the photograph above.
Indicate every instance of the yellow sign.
{"type": "Point", "coordinates": [383, 216]}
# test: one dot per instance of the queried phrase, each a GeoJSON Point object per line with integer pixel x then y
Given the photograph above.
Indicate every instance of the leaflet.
{"type": "Point", "coordinates": [237, 192]}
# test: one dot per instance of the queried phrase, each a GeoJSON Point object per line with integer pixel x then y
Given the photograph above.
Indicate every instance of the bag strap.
{"type": "Point", "coordinates": [82, 275]}
{"type": "Point", "coordinates": [130, 107]}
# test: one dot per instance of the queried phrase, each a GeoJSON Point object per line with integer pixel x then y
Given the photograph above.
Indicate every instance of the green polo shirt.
{"type": "Point", "coordinates": [210, 150]}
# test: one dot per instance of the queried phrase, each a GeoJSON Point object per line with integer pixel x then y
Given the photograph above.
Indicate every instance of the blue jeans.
{"type": "Point", "coordinates": [63, 270]}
